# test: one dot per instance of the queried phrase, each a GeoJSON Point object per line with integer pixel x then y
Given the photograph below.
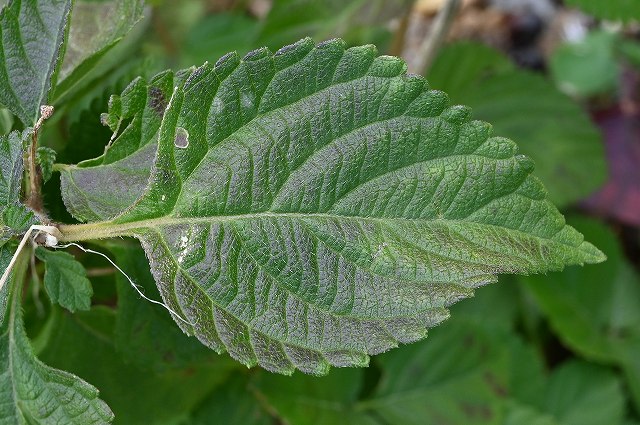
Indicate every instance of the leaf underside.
{"type": "Point", "coordinates": [314, 206]}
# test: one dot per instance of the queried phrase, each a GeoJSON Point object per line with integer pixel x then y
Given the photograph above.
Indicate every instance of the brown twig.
{"type": "Point", "coordinates": [439, 29]}
{"type": "Point", "coordinates": [35, 174]}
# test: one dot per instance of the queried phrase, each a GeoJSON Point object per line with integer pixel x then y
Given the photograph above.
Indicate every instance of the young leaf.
{"type": "Point", "coordinates": [65, 280]}
{"type": "Point", "coordinates": [46, 157]}
{"type": "Point", "coordinates": [315, 206]}
{"type": "Point", "coordinates": [32, 35]}
{"type": "Point", "coordinates": [32, 392]}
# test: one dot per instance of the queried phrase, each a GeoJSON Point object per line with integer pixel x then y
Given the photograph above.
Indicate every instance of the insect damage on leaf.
{"type": "Point", "coordinates": [314, 206]}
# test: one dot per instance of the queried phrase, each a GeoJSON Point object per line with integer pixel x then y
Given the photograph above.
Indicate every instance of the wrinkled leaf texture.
{"type": "Point", "coordinates": [314, 206]}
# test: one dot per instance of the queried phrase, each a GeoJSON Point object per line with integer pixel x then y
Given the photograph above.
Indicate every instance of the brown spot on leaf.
{"type": "Point", "coordinates": [157, 101]}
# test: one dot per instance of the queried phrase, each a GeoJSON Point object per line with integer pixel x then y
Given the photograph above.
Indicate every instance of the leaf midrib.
{"type": "Point", "coordinates": [108, 229]}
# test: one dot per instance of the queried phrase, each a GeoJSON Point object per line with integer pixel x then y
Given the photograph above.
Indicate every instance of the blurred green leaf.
{"type": "Point", "coordinates": [6, 121]}
{"type": "Point", "coordinates": [235, 403]}
{"type": "Point", "coordinates": [629, 49]}
{"type": "Point", "coordinates": [623, 10]}
{"type": "Point", "coordinates": [306, 400]}
{"type": "Point", "coordinates": [136, 396]}
{"type": "Point", "coordinates": [465, 373]}
{"type": "Point", "coordinates": [587, 68]}
{"type": "Point", "coordinates": [549, 127]}
{"type": "Point", "coordinates": [145, 334]}
{"type": "Point", "coordinates": [585, 394]}
{"type": "Point", "coordinates": [355, 20]}
{"type": "Point", "coordinates": [65, 280]}
{"type": "Point", "coordinates": [96, 27]}
{"type": "Point", "coordinates": [596, 310]}
{"type": "Point", "coordinates": [217, 34]}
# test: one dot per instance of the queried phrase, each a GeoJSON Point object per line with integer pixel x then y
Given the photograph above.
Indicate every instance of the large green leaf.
{"type": "Point", "coordinates": [308, 208]}
{"type": "Point", "coordinates": [32, 35]}
{"type": "Point", "coordinates": [32, 392]}
{"type": "Point", "coordinates": [568, 152]}
{"type": "Point", "coordinates": [623, 10]}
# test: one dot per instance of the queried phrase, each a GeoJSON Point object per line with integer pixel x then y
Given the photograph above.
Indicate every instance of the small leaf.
{"type": "Point", "coordinates": [327, 207]}
{"type": "Point", "coordinates": [46, 157]}
{"type": "Point", "coordinates": [14, 217]}
{"type": "Point", "coordinates": [11, 167]}
{"type": "Point", "coordinates": [18, 217]}
{"type": "Point", "coordinates": [622, 10]}
{"type": "Point", "coordinates": [65, 280]}
{"type": "Point", "coordinates": [32, 392]}
{"type": "Point", "coordinates": [32, 35]}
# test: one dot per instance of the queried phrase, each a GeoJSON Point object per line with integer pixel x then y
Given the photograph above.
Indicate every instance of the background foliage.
{"type": "Point", "coordinates": [557, 349]}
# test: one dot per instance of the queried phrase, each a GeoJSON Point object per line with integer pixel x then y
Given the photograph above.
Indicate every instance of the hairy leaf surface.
{"type": "Point", "coordinates": [134, 116]}
{"type": "Point", "coordinates": [32, 35]}
{"type": "Point", "coordinates": [65, 280]}
{"type": "Point", "coordinates": [311, 207]}
{"type": "Point", "coordinates": [14, 217]}
{"type": "Point", "coordinates": [32, 392]}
